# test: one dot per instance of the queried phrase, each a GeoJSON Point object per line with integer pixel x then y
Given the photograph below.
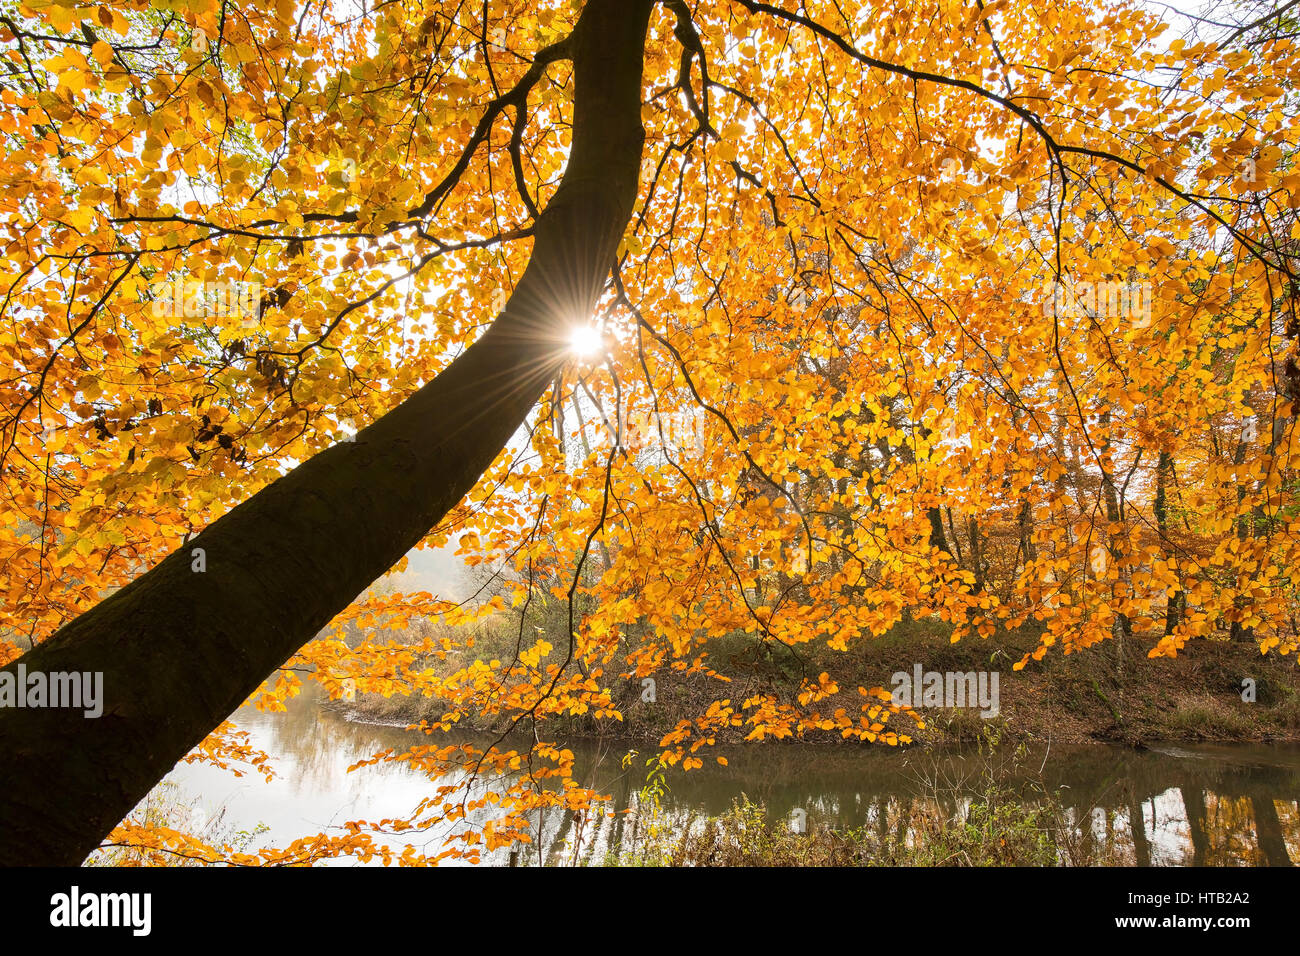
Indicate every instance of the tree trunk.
{"type": "Point", "coordinates": [1238, 631]}
{"type": "Point", "coordinates": [180, 650]}
{"type": "Point", "coordinates": [1176, 600]}
{"type": "Point", "coordinates": [1122, 627]}
{"type": "Point", "coordinates": [937, 538]}
{"type": "Point", "coordinates": [976, 556]}
{"type": "Point", "coordinates": [1025, 525]}
{"type": "Point", "coordinates": [956, 542]}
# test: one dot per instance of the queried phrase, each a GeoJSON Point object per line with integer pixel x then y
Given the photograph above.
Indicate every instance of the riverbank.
{"type": "Point", "coordinates": [1091, 696]}
{"type": "Point", "coordinates": [1075, 805]}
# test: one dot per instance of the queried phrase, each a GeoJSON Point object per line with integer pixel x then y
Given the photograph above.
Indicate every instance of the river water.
{"type": "Point", "coordinates": [1176, 804]}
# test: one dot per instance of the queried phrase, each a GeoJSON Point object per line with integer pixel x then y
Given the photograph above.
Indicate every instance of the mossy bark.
{"type": "Point", "coordinates": [180, 650]}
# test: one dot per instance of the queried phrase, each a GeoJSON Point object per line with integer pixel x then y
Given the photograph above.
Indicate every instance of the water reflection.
{"type": "Point", "coordinates": [1171, 805]}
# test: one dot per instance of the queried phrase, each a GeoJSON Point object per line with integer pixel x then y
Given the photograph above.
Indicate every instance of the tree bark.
{"type": "Point", "coordinates": [1176, 600]}
{"type": "Point", "coordinates": [976, 556]}
{"type": "Point", "coordinates": [1238, 631]}
{"type": "Point", "coordinates": [937, 537]}
{"type": "Point", "coordinates": [180, 650]}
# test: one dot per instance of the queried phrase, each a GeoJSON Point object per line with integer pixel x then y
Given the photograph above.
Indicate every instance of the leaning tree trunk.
{"type": "Point", "coordinates": [180, 650]}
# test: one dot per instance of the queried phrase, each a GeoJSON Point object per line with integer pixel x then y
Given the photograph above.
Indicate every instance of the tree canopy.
{"type": "Point", "coordinates": [806, 319]}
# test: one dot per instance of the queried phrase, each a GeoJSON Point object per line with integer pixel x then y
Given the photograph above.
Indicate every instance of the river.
{"type": "Point", "coordinates": [1174, 804]}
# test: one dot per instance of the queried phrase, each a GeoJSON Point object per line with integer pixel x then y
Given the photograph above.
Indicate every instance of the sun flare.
{"type": "Point", "coordinates": [585, 341]}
